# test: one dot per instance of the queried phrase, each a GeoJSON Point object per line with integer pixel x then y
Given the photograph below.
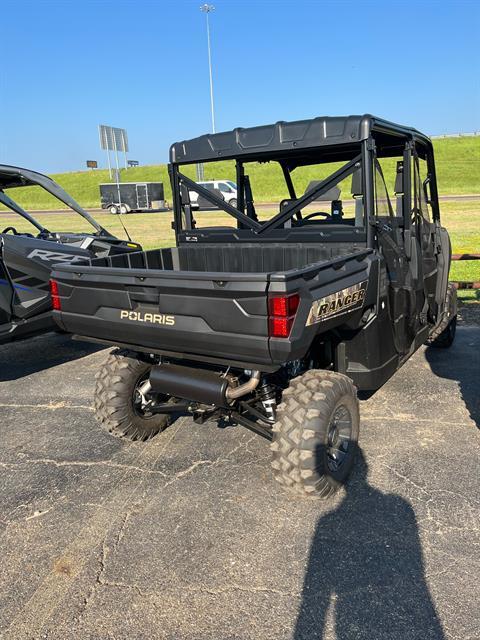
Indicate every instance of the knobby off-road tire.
{"type": "Point", "coordinates": [114, 404]}
{"type": "Point", "coordinates": [443, 336]}
{"type": "Point", "coordinates": [306, 434]}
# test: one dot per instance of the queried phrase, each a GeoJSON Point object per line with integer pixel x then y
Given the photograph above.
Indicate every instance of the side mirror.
{"type": "Point", "coordinates": [426, 190]}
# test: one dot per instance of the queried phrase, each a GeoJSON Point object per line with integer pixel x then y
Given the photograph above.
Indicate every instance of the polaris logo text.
{"type": "Point", "coordinates": [337, 303]}
{"type": "Point", "coordinates": [151, 318]}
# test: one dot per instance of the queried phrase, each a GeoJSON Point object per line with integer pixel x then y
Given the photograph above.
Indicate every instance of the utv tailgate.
{"type": "Point", "coordinates": [219, 316]}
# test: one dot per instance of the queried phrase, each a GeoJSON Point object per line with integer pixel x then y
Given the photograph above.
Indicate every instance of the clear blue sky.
{"type": "Point", "coordinates": [69, 65]}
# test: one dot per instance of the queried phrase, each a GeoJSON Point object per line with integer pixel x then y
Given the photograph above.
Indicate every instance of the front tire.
{"type": "Point", "coordinates": [113, 209]}
{"type": "Point", "coordinates": [316, 433]}
{"type": "Point", "coordinates": [116, 399]}
{"type": "Point", "coordinates": [233, 202]}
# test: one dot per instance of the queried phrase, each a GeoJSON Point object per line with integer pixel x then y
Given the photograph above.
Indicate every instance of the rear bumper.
{"type": "Point", "coordinates": [181, 355]}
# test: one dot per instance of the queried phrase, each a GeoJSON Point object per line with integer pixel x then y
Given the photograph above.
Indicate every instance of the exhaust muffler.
{"type": "Point", "coordinates": [199, 385]}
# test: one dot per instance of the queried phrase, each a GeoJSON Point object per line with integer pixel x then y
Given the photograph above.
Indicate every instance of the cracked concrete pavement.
{"type": "Point", "coordinates": [188, 537]}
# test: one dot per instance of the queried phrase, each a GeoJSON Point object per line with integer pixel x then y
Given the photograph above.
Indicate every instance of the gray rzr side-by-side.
{"type": "Point", "coordinates": [276, 322]}
{"type": "Point", "coordinates": [26, 258]}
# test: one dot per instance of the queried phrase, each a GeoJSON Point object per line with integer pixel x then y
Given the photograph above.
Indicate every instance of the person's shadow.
{"type": "Point", "coordinates": [365, 576]}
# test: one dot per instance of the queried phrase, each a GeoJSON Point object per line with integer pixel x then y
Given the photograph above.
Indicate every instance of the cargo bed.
{"type": "Point", "coordinates": [207, 302]}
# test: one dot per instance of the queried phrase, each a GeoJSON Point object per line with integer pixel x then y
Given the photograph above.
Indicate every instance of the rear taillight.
{"type": "Point", "coordinates": [56, 305]}
{"type": "Point", "coordinates": [282, 310]}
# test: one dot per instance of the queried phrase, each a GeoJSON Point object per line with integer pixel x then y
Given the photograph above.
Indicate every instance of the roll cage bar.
{"type": "Point", "coordinates": [362, 140]}
{"type": "Point", "coordinates": [182, 184]}
{"type": "Point", "coordinates": [11, 204]}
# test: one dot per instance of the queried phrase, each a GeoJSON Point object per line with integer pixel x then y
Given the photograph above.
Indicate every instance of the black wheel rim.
{"type": "Point", "coordinates": [339, 438]}
{"type": "Point", "coordinates": [137, 400]}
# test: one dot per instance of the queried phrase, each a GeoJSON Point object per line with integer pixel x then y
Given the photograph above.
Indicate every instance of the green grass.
{"type": "Point", "coordinates": [457, 161]}
{"type": "Point", "coordinates": [462, 219]}
{"type": "Point", "coordinates": [469, 296]}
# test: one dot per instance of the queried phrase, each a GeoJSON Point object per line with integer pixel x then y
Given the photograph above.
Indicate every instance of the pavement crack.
{"type": "Point", "coordinates": [38, 514]}
{"type": "Point", "coordinates": [404, 478]}
{"type": "Point", "coordinates": [411, 418]}
{"type": "Point", "coordinates": [201, 589]}
{"type": "Point", "coordinates": [211, 463]}
{"type": "Point", "coordinates": [185, 472]}
{"type": "Point", "coordinates": [246, 589]}
{"type": "Point", "coordinates": [52, 406]}
{"type": "Point", "coordinates": [121, 530]}
{"type": "Point", "coordinates": [82, 463]}
{"type": "Point", "coordinates": [97, 579]}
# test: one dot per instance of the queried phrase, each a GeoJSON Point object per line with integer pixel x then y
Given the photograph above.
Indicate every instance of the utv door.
{"type": "Point", "coordinates": [431, 243]}
{"type": "Point", "coordinates": [6, 296]}
{"type": "Point", "coordinates": [28, 263]}
{"type": "Point", "coordinates": [396, 271]}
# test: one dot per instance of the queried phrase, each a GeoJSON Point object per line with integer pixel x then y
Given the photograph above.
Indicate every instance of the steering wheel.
{"type": "Point", "coordinates": [12, 229]}
{"type": "Point", "coordinates": [326, 215]}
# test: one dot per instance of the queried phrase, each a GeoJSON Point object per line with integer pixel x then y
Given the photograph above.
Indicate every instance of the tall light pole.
{"type": "Point", "coordinates": [207, 9]}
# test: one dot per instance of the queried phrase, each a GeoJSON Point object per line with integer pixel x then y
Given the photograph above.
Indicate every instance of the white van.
{"type": "Point", "coordinates": [227, 188]}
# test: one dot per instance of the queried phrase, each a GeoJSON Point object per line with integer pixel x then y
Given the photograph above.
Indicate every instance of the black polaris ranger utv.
{"type": "Point", "coordinates": [276, 322]}
{"type": "Point", "coordinates": [28, 250]}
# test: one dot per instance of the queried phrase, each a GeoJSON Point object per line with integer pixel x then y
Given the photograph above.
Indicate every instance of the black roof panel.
{"type": "Point", "coordinates": [286, 137]}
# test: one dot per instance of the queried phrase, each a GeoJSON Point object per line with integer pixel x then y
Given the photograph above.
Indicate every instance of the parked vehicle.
{"type": "Point", "coordinates": [26, 257]}
{"type": "Point", "coordinates": [129, 197]}
{"type": "Point", "coordinates": [276, 324]}
{"type": "Point", "coordinates": [226, 188]}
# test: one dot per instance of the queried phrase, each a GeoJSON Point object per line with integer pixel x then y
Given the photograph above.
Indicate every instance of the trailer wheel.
{"type": "Point", "coordinates": [113, 209]}
{"type": "Point", "coordinates": [124, 208]}
{"type": "Point", "coordinates": [117, 403]}
{"type": "Point", "coordinates": [316, 433]}
{"type": "Point", "coordinates": [443, 336]}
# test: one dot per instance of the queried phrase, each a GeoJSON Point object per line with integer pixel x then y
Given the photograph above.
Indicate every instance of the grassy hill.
{"type": "Point", "coordinates": [457, 161]}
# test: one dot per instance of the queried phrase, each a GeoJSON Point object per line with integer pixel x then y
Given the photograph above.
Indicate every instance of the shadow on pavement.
{"type": "Point", "coordinates": [365, 576]}
{"type": "Point", "coordinates": [22, 358]}
{"type": "Point", "coordinates": [461, 362]}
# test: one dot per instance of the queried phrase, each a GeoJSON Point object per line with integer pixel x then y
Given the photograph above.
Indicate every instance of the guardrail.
{"type": "Point", "coordinates": [457, 135]}
{"type": "Point", "coordinates": [466, 284]}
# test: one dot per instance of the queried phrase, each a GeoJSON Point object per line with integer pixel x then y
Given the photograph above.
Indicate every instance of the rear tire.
{"type": "Point", "coordinates": [442, 337]}
{"type": "Point", "coordinates": [316, 433]}
{"type": "Point", "coordinates": [124, 209]}
{"type": "Point", "coordinates": [114, 401]}
{"type": "Point", "coordinates": [445, 339]}
{"type": "Point", "coordinates": [233, 202]}
{"type": "Point", "coordinates": [113, 209]}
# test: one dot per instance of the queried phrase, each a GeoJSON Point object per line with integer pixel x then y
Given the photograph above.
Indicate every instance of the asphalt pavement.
{"type": "Point", "coordinates": [188, 537]}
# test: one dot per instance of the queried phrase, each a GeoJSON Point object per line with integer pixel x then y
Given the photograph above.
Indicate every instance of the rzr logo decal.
{"type": "Point", "coordinates": [52, 256]}
{"type": "Point", "coordinates": [337, 303]}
